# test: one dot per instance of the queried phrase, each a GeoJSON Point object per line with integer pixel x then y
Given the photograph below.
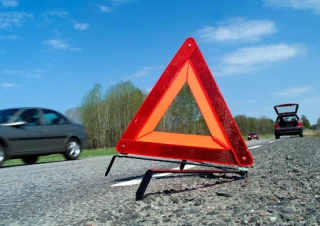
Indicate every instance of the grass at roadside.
{"type": "Point", "coordinates": [59, 157]}
{"type": "Point", "coordinates": [311, 133]}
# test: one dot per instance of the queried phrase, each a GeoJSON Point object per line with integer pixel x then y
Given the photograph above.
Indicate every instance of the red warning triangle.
{"type": "Point", "coordinates": [224, 146]}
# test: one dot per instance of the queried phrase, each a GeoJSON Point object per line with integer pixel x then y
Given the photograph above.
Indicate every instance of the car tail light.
{"type": "Point", "coordinates": [299, 124]}
{"type": "Point", "coordinates": [276, 125]}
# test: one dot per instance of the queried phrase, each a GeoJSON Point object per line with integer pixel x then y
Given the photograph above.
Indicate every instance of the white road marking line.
{"type": "Point", "coordinates": [255, 147]}
{"type": "Point", "coordinates": [139, 179]}
{"type": "Point", "coordinates": [271, 142]}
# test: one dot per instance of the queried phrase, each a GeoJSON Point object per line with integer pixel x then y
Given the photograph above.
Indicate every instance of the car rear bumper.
{"type": "Point", "coordinates": [288, 131]}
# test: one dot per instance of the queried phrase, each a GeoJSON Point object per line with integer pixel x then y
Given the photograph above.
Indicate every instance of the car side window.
{"type": "Point", "coordinates": [52, 118]}
{"type": "Point", "coordinates": [30, 116]}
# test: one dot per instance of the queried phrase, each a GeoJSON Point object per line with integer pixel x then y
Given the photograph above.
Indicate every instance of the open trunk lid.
{"type": "Point", "coordinates": [284, 109]}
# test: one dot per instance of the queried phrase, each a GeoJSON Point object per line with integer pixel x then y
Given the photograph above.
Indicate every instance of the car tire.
{"type": "Point", "coordinates": [2, 155]}
{"type": "Point", "coordinates": [73, 149]}
{"type": "Point", "coordinates": [277, 136]}
{"type": "Point", "coordinates": [301, 135]}
{"type": "Point", "coordinates": [30, 159]}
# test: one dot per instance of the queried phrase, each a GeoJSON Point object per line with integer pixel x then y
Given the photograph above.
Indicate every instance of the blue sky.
{"type": "Point", "coordinates": [261, 52]}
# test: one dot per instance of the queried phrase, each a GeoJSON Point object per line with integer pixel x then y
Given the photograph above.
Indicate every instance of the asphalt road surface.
{"type": "Point", "coordinates": [77, 192]}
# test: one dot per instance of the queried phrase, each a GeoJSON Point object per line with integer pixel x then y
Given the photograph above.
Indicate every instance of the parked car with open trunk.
{"type": "Point", "coordinates": [287, 122]}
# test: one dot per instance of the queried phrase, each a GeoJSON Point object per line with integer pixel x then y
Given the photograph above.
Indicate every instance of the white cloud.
{"type": "Point", "coordinates": [13, 72]}
{"type": "Point", "coordinates": [75, 48]}
{"type": "Point", "coordinates": [104, 9]}
{"type": "Point", "coordinates": [60, 13]}
{"type": "Point", "coordinates": [313, 5]}
{"type": "Point", "coordinates": [10, 19]}
{"type": "Point", "coordinates": [9, 85]}
{"type": "Point", "coordinates": [223, 70]}
{"type": "Point", "coordinates": [56, 32]}
{"type": "Point", "coordinates": [81, 26]}
{"type": "Point", "coordinates": [144, 71]}
{"type": "Point", "coordinates": [38, 71]}
{"type": "Point", "coordinates": [34, 75]}
{"type": "Point", "coordinates": [9, 37]}
{"type": "Point", "coordinates": [117, 2]}
{"type": "Point", "coordinates": [141, 73]}
{"type": "Point", "coordinates": [261, 54]}
{"type": "Point", "coordinates": [238, 29]}
{"type": "Point", "coordinates": [58, 44]}
{"type": "Point", "coordinates": [293, 92]}
{"type": "Point", "coordinates": [9, 3]}
{"type": "Point", "coordinates": [250, 59]}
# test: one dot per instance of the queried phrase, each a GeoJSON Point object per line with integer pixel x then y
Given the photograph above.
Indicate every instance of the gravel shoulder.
{"type": "Point", "coordinates": [282, 188]}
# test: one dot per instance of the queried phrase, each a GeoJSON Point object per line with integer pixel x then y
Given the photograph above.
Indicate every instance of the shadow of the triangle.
{"type": "Point", "coordinates": [226, 179]}
{"type": "Point", "coordinates": [184, 190]}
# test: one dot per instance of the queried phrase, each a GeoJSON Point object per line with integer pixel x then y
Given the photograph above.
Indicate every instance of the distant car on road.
{"type": "Point", "coordinates": [287, 122]}
{"type": "Point", "coordinates": [253, 135]}
{"type": "Point", "coordinates": [28, 133]}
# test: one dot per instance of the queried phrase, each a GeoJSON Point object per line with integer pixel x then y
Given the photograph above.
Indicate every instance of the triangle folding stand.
{"type": "Point", "coordinates": [224, 148]}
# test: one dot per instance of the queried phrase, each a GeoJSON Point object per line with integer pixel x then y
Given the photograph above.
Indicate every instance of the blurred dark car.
{"type": "Point", "coordinates": [253, 135]}
{"type": "Point", "coordinates": [287, 122]}
{"type": "Point", "coordinates": [28, 133]}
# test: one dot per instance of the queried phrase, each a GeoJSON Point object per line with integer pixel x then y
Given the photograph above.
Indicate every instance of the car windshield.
{"type": "Point", "coordinates": [5, 115]}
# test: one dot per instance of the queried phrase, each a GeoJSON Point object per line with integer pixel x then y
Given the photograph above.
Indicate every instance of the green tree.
{"type": "Point", "coordinates": [183, 115]}
{"type": "Point", "coordinates": [91, 115]}
{"type": "Point", "coordinates": [318, 121]}
{"type": "Point", "coordinates": [107, 116]}
{"type": "Point", "coordinates": [123, 101]}
{"type": "Point", "coordinates": [305, 122]}
{"type": "Point", "coordinates": [243, 123]}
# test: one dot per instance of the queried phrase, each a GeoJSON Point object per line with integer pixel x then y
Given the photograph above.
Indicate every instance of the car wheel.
{"type": "Point", "coordinates": [301, 135]}
{"type": "Point", "coordinates": [2, 155]}
{"type": "Point", "coordinates": [73, 149]}
{"type": "Point", "coordinates": [31, 159]}
{"type": "Point", "coordinates": [277, 136]}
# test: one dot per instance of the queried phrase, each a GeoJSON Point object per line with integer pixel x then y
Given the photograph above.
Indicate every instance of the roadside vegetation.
{"type": "Point", "coordinates": [106, 115]}
{"type": "Point", "coordinates": [312, 133]}
{"type": "Point", "coordinates": [59, 157]}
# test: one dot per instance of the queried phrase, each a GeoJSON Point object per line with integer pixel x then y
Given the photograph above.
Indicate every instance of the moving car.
{"type": "Point", "coordinates": [253, 135]}
{"type": "Point", "coordinates": [28, 133]}
{"type": "Point", "coordinates": [287, 122]}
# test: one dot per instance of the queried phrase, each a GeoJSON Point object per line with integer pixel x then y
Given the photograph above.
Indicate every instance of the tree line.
{"type": "Point", "coordinates": [106, 115]}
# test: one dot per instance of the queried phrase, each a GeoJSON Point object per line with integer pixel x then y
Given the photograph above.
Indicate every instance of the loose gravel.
{"type": "Point", "coordinates": [282, 188]}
